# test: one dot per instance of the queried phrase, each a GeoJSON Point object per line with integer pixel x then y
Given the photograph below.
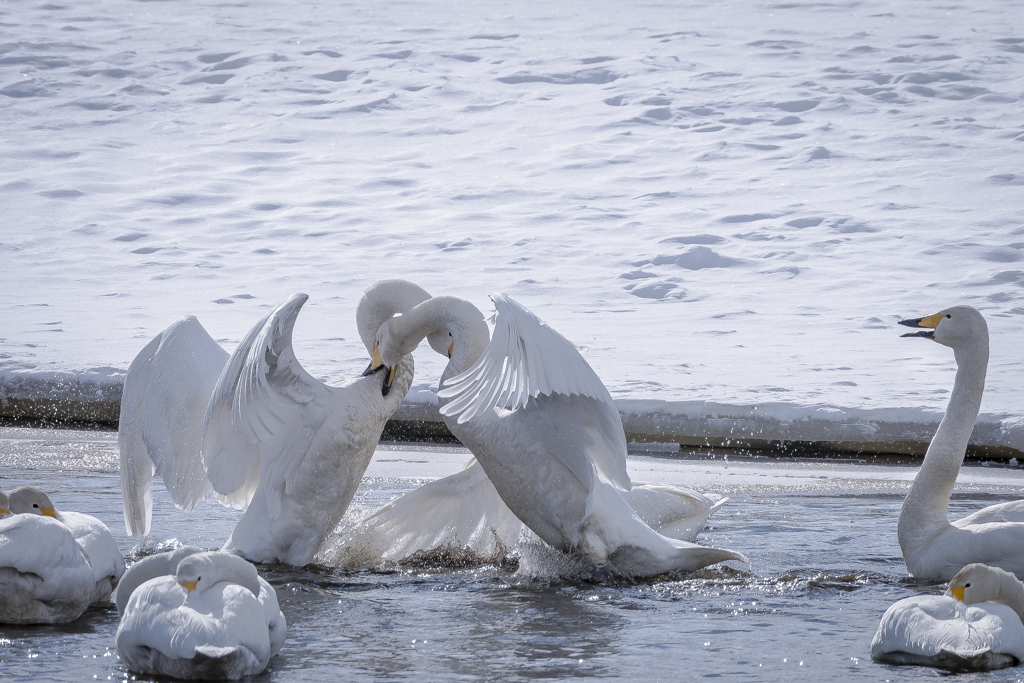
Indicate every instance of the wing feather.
{"type": "Point", "coordinates": [527, 359]}
{"type": "Point", "coordinates": [160, 430]}
{"type": "Point", "coordinates": [263, 412]}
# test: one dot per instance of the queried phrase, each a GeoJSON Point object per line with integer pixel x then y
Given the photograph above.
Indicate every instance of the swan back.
{"type": "Point", "coordinates": [201, 571]}
{"type": "Point", "coordinates": [28, 500]}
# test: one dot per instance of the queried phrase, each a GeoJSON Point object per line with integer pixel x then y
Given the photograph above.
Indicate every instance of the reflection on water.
{"type": "Point", "coordinates": [821, 538]}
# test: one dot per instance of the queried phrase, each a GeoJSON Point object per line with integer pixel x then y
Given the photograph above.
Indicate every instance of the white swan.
{"type": "Point", "coordinates": [544, 429]}
{"type": "Point", "coordinates": [92, 535]}
{"type": "Point", "coordinates": [214, 619]}
{"type": "Point", "coordinates": [255, 428]}
{"type": "Point", "coordinates": [933, 548]}
{"type": "Point", "coordinates": [976, 625]}
{"type": "Point", "coordinates": [45, 577]}
{"type": "Point", "coordinates": [464, 512]}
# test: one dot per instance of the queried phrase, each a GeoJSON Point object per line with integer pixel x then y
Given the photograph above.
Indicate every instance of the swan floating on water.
{"type": "Point", "coordinates": [214, 618]}
{"type": "Point", "coordinates": [255, 429]}
{"type": "Point", "coordinates": [976, 625]}
{"type": "Point", "coordinates": [45, 577]}
{"type": "Point", "coordinates": [544, 429]}
{"type": "Point", "coordinates": [90, 533]}
{"type": "Point", "coordinates": [933, 548]}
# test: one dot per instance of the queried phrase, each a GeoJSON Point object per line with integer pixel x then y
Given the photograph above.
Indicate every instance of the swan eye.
{"type": "Point", "coordinates": [967, 585]}
{"type": "Point", "coordinates": [949, 315]}
{"type": "Point", "coordinates": [35, 505]}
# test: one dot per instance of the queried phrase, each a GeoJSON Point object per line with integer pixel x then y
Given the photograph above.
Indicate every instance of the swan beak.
{"type": "Point", "coordinates": [931, 321]}
{"type": "Point", "coordinates": [451, 347]}
{"type": "Point", "coordinates": [958, 593]}
{"type": "Point", "coordinates": [4, 511]}
{"type": "Point", "coordinates": [375, 363]}
{"type": "Point", "coordinates": [388, 381]}
{"type": "Point", "coordinates": [188, 585]}
{"type": "Point", "coordinates": [49, 512]}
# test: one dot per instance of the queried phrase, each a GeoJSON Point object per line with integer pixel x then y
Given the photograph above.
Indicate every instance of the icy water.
{"type": "Point", "coordinates": [821, 537]}
{"type": "Point", "coordinates": [730, 201]}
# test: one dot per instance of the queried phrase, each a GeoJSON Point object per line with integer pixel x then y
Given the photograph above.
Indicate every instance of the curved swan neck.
{"type": "Point", "coordinates": [1011, 594]}
{"type": "Point", "coordinates": [446, 315]}
{"type": "Point", "coordinates": [924, 510]}
{"type": "Point", "coordinates": [381, 302]}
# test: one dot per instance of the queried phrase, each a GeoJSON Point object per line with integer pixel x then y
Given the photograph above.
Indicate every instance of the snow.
{"type": "Point", "coordinates": [724, 204]}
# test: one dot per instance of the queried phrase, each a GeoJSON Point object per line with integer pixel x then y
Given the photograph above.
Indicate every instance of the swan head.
{"type": "Point", "coordinates": [28, 500]}
{"type": "Point", "coordinates": [450, 324]}
{"type": "Point", "coordinates": [955, 327]}
{"type": "Point", "coordinates": [980, 583]}
{"type": "Point", "coordinates": [200, 571]}
{"type": "Point", "coordinates": [381, 302]}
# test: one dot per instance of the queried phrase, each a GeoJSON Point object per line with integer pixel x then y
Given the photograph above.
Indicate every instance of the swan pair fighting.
{"type": "Point", "coordinates": [943, 631]}
{"type": "Point", "coordinates": [541, 424]}
{"type": "Point", "coordinates": [53, 565]}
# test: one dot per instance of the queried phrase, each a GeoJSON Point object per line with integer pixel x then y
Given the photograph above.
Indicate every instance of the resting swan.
{"type": "Point", "coordinates": [44, 576]}
{"type": "Point", "coordinates": [976, 625]}
{"type": "Point", "coordinates": [933, 548]}
{"type": "Point", "coordinates": [215, 618]}
{"type": "Point", "coordinates": [91, 534]}
{"type": "Point", "coordinates": [544, 430]}
{"type": "Point", "coordinates": [255, 428]}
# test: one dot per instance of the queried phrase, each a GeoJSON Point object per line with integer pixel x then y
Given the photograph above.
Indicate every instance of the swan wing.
{"type": "Point", "coordinates": [462, 511]}
{"type": "Point", "coordinates": [524, 361]}
{"type": "Point", "coordinates": [263, 412]}
{"type": "Point", "coordinates": [1012, 512]}
{"type": "Point", "coordinates": [163, 403]}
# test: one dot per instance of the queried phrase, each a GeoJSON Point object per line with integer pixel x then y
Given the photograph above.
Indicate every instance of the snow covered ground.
{"type": "Point", "coordinates": [720, 201]}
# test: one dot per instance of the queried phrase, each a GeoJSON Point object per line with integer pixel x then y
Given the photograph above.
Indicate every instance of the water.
{"type": "Point", "coordinates": [820, 535]}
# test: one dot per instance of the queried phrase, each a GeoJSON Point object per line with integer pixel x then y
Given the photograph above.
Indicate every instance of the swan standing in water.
{"type": "Point", "coordinates": [543, 428]}
{"type": "Point", "coordinates": [933, 548]}
{"type": "Point", "coordinates": [255, 429]}
{"type": "Point", "coordinates": [214, 618]}
{"type": "Point", "coordinates": [976, 625]}
{"type": "Point", "coordinates": [90, 533]}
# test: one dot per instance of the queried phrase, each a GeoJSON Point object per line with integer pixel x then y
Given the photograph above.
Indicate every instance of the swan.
{"type": "Point", "coordinates": [91, 534]}
{"type": "Point", "coordinates": [976, 625]}
{"type": "Point", "coordinates": [933, 548]}
{"type": "Point", "coordinates": [464, 511]}
{"type": "Point", "coordinates": [45, 577]}
{"type": "Point", "coordinates": [255, 429]}
{"type": "Point", "coordinates": [215, 618]}
{"type": "Point", "coordinates": [544, 429]}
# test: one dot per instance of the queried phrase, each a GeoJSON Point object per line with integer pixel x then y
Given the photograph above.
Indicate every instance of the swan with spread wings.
{"type": "Point", "coordinates": [544, 429]}
{"type": "Point", "coordinates": [255, 429]}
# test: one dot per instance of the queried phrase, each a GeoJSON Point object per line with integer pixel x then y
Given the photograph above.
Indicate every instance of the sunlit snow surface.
{"type": "Point", "coordinates": [726, 201]}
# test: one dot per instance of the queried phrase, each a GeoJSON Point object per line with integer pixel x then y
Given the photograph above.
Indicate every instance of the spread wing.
{"type": "Point", "coordinates": [525, 360]}
{"type": "Point", "coordinates": [161, 423]}
{"type": "Point", "coordinates": [263, 413]}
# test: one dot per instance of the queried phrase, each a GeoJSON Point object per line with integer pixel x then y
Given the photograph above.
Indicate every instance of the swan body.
{"type": "Point", "coordinates": [934, 548]}
{"type": "Point", "coordinates": [90, 533]}
{"type": "Point", "coordinates": [255, 429]}
{"type": "Point", "coordinates": [214, 618]}
{"type": "Point", "coordinates": [544, 430]}
{"type": "Point", "coordinates": [976, 625]}
{"type": "Point", "coordinates": [464, 511]}
{"type": "Point", "coordinates": [45, 577]}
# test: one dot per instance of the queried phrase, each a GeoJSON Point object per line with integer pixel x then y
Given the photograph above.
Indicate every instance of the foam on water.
{"type": "Point", "coordinates": [732, 202]}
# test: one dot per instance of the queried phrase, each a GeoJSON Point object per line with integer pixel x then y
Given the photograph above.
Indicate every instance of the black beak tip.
{"type": "Point", "coordinates": [910, 323]}
{"type": "Point", "coordinates": [385, 389]}
{"type": "Point", "coordinates": [370, 370]}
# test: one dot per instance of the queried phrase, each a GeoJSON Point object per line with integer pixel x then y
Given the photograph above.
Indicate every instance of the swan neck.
{"type": "Point", "coordinates": [1011, 594]}
{"type": "Point", "coordinates": [383, 301]}
{"type": "Point", "coordinates": [924, 510]}
{"type": "Point", "coordinates": [446, 315]}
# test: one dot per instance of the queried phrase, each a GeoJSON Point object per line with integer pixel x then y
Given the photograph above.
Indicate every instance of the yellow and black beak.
{"type": "Point", "coordinates": [376, 364]}
{"type": "Point", "coordinates": [931, 321]}
{"type": "Point", "coordinates": [451, 347]}
{"type": "Point", "coordinates": [958, 593]}
{"type": "Point", "coordinates": [188, 585]}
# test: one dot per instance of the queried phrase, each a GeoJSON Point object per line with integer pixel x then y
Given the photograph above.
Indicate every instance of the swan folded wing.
{"type": "Point", "coordinates": [163, 403]}
{"type": "Point", "coordinates": [526, 360]}
{"type": "Point", "coordinates": [263, 413]}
